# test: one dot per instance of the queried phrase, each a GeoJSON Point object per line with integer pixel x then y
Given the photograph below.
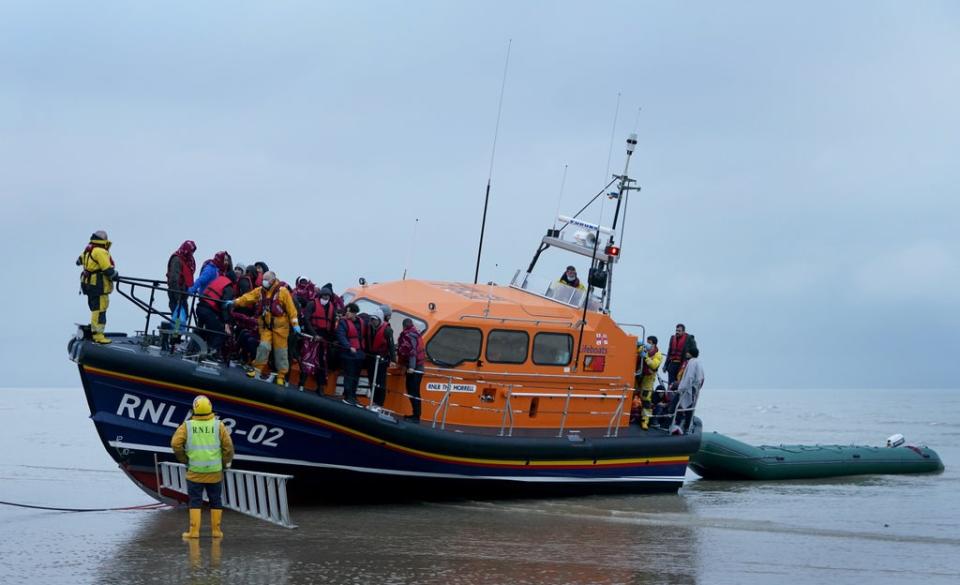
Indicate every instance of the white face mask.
{"type": "Point", "coordinates": [266, 284]}
{"type": "Point", "coordinates": [324, 301]}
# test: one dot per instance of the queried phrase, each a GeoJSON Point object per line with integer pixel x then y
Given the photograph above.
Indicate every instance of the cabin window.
{"type": "Point", "coordinates": [450, 346]}
{"type": "Point", "coordinates": [507, 347]}
{"type": "Point", "coordinates": [396, 318]}
{"type": "Point", "coordinates": [552, 349]}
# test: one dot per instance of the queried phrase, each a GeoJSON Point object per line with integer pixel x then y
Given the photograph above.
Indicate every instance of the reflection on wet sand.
{"type": "Point", "coordinates": [589, 540]}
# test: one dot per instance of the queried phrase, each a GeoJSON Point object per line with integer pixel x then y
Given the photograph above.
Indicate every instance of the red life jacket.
{"type": "Point", "coordinates": [355, 335]}
{"type": "Point", "coordinates": [271, 305]}
{"type": "Point", "coordinates": [323, 317]}
{"type": "Point", "coordinates": [411, 339]}
{"type": "Point", "coordinates": [676, 348]}
{"type": "Point", "coordinates": [378, 341]}
{"type": "Point", "coordinates": [215, 291]}
{"type": "Point", "coordinates": [186, 271]}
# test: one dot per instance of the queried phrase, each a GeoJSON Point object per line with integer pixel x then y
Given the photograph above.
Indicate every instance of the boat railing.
{"type": "Point", "coordinates": [134, 290]}
{"type": "Point", "coordinates": [508, 411]}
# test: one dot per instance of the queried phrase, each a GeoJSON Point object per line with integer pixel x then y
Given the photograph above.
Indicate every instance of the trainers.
{"type": "Point", "coordinates": [280, 381]}
{"type": "Point", "coordinates": [251, 373]}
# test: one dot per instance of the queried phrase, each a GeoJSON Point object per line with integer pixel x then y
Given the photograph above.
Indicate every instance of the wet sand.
{"type": "Point", "coordinates": [877, 529]}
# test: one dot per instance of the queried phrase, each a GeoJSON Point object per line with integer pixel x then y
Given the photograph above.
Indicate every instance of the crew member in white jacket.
{"type": "Point", "coordinates": [688, 390]}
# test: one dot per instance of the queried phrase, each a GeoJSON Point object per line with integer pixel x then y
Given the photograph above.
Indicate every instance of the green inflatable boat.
{"type": "Point", "coordinates": [721, 457]}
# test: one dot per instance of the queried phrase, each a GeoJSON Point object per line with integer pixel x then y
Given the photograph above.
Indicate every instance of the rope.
{"type": "Point", "coordinates": [153, 506]}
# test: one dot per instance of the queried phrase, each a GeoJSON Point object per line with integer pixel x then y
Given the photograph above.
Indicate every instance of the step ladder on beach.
{"type": "Point", "coordinates": [254, 493]}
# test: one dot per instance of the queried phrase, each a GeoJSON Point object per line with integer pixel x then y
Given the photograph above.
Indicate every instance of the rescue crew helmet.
{"type": "Point", "coordinates": [201, 405]}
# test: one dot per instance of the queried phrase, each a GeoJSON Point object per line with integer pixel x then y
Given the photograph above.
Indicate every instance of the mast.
{"type": "Point", "coordinates": [625, 188]}
{"type": "Point", "coordinates": [493, 153]}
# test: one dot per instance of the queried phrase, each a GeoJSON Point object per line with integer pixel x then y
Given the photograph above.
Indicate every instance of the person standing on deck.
{"type": "Point", "coordinates": [213, 312]}
{"type": "Point", "coordinates": [412, 356]}
{"type": "Point", "coordinates": [203, 443]}
{"type": "Point", "coordinates": [180, 269]}
{"type": "Point", "coordinates": [277, 315]}
{"type": "Point", "coordinates": [96, 282]}
{"type": "Point", "coordinates": [381, 352]}
{"type": "Point", "coordinates": [680, 343]}
{"type": "Point", "coordinates": [688, 391]}
{"type": "Point", "coordinates": [351, 332]}
{"type": "Point", "coordinates": [320, 320]}
{"type": "Point", "coordinates": [220, 265]}
{"type": "Point", "coordinates": [649, 359]}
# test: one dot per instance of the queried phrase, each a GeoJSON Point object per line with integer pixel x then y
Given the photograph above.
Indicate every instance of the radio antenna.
{"type": "Point", "coordinates": [613, 131]}
{"type": "Point", "coordinates": [493, 152]}
{"type": "Point", "coordinates": [413, 247]}
{"type": "Point", "coordinates": [563, 182]}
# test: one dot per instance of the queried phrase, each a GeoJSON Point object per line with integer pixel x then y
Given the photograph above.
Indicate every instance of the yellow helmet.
{"type": "Point", "coordinates": [201, 405]}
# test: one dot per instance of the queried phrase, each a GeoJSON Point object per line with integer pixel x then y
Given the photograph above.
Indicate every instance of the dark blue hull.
{"type": "Point", "coordinates": [335, 451]}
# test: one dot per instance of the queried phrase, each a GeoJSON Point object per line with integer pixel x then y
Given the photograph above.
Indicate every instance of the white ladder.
{"type": "Point", "coordinates": [254, 493]}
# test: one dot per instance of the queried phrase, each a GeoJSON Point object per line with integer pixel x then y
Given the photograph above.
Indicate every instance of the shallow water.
{"type": "Point", "coordinates": [877, 529]}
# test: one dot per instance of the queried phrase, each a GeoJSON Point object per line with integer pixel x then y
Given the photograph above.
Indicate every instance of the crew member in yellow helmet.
{"type": "Point", "coordinates": [203, 443]}
{"type": "Point", "coordinates": [96, 281]}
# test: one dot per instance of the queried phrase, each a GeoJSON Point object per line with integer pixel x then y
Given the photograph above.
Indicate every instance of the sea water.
{"type": "Point", "coordinates": [867, 529]}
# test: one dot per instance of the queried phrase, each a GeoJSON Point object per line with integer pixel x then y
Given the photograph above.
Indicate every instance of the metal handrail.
{"type": "Point", "coordinates": [528, 375]}
{"type": "Point", "coordinates": [518, 320]}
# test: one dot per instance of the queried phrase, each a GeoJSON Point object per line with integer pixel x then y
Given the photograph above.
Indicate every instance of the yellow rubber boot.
{"type": "Point", "coordinates": [215, 516]}
{"type": "Point", "coordinates": [99, 337]}
{"type": "Point", "coordinates": [194, 531]}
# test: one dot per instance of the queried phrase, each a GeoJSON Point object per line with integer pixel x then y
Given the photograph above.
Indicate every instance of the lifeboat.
{"type": "Point", "coordinates": [526, 392]}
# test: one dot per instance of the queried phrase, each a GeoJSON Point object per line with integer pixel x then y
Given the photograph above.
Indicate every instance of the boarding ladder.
{"type": "Point", "coordinates": [254, 493]}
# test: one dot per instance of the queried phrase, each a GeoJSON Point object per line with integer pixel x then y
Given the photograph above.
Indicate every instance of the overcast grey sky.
{"type": "Point", "coordinates": [799, 161]}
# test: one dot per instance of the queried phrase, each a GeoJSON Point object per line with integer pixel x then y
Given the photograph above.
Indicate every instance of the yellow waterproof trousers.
{"type": "Point", "coordinates": [98, 312]}
{"type": "Point", "coordinates": [276, 339]}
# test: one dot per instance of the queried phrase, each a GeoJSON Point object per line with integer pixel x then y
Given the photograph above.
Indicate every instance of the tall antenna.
{"type": "Point", "coordinates": [493, 152]}
{"type": "Point", "coordinates": [563, 182]}
{"type": "Point", "coordinates": [613, 131]}
{"type": "Point", "coordinates": [413, 247]}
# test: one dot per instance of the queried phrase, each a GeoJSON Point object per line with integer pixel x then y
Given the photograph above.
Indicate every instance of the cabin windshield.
{"type": "Point", "coordinates": [396, 319]}
{"type": "Point", "coordinates": [554, 290]}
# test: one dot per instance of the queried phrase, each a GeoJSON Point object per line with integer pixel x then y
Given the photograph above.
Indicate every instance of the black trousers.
{"type": "Point", "coordinates": [214, 494]}
{"type": "Point", "coordinates": [413, 389]}
{"type": "Point", "coordinates": [211, 320]}
{"type": "Point", "coordinates": [351, 364]}
{"type": "Point", "coordinates": [673, 368]}
{"type": "Point", "coordinates": [379, 384]}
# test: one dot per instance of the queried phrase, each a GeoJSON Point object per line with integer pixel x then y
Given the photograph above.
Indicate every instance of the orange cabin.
{"type": "Point", "coordinates": [511, 357]}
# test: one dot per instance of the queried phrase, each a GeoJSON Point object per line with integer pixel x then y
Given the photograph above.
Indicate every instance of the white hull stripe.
{"type": "Point", "coordinates": [529, 479]}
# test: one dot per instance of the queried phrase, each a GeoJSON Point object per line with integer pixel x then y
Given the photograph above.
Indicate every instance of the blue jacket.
{"type": "Point", "coordinates": [208, 273]}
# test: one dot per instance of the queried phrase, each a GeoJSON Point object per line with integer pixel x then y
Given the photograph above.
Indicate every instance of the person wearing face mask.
{"type": "Point", "coordinates": [320, 320]}
{"type": "Point", "coordinates": [277, 315]}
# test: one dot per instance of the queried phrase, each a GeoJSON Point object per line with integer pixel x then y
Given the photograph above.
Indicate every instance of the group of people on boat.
{"type": "Point", "coordinates": [247, 314]}
{"type": "Point", "coordinates": [660, 403]}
